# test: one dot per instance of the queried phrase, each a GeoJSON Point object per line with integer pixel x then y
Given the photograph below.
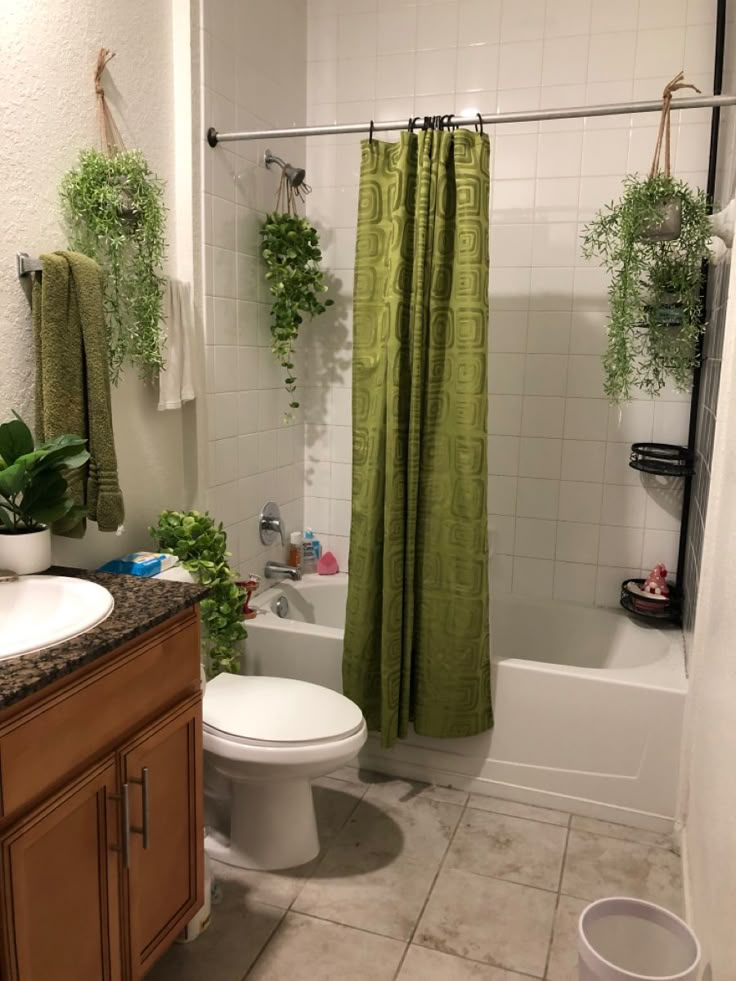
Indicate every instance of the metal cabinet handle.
{"type": "Point", "coordinates": [145, 829]}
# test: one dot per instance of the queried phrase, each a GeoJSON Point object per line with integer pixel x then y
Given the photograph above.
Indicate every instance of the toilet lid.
{"type": "Point", "coordinates": [277, 710]}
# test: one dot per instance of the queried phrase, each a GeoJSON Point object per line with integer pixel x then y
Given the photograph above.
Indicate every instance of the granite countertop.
{"type": "Point", "coordinates": [140, 604]}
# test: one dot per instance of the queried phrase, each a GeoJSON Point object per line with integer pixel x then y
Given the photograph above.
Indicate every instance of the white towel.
{"type": "Point", "coordinates": [175, 384]}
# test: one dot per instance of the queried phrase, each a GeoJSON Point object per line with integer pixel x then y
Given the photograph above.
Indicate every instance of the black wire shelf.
{"type": "Point", "coordinates": [667, 610]}
{"type": "Point", "coordinates": [663, 459]}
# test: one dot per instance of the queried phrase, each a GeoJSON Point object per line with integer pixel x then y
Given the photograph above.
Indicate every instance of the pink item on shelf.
{"type": "Point", "coordinates": [327, 565]}
{"type": "Point", "coordinates": [656, 583]}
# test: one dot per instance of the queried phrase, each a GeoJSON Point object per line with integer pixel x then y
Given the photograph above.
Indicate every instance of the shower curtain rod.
{"type": "Point", "coordinates": [526, 116]}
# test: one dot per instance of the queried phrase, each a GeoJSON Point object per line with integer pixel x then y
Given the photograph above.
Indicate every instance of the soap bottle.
{"type": "Point", "coordinates": [309, 536]}
{"type": "Point", "coordinates": [295, 549]}
{"type": "Point", "coordinates": [309, 559]}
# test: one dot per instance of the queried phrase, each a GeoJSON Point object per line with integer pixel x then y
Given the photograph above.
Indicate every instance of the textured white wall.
{"type": "Point", "coordinates": [47, 114]}
{"type": "Point", "coordinates": [709, 775]}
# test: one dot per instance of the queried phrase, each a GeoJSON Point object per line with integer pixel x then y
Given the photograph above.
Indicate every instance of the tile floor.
{"type": "Point", "coordinates": [421, 883]}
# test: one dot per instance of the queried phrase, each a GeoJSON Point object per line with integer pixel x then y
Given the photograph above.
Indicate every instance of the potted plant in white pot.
{"type": "Point", "coordinates": [34, 493]}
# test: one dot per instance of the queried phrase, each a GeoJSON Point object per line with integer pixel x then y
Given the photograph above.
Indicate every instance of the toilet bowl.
{"type": "Point", "coordinates": [266, 739]}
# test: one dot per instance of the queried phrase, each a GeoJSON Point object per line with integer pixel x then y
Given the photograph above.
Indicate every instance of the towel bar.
{"type": "Point", "coordinates": [24, 264]}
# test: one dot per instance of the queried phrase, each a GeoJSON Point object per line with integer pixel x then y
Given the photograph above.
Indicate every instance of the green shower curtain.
{"type": "Point", "coordinates": [417, 629]}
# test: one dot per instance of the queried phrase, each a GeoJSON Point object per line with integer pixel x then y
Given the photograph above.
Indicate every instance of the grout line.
{"type": "Point", "coordinates": [557, 902]}
{"type": "Point", "coordinates": [440, 867]}
{"type": "Point", "coordinates": [266, 944]}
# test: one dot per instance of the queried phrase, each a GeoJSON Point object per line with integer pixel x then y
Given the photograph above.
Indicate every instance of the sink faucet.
{"type": "Point", "coordinates": [278, 570]}
{"type": "Point", "coordinates": [7, 575]}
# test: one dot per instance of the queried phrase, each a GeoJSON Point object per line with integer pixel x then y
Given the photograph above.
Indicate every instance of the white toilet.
{"type": "Point", "coordinates": [269, 738]}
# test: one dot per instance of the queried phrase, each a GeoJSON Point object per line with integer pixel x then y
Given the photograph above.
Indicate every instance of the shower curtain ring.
{"type": "Point", "coordinates": [479, 124]}
{"type": "Point", "coordinates": [370, 132]}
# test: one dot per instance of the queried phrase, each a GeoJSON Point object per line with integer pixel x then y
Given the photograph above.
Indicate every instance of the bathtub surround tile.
{"type": "Point", "coordinates": [574, 582]}
{"type": "Point", "coordinates": [307, 949]}
{"type": "Point", "coordinates": [500, 923]}
{"type": "Point", "coordinates": [533, 577]}
{"type": "Point", "coordinates": [563, 955]}
{"type": "Point", "coordinates": [379, 869]}
{"type": "Point", "coordinates": [499, 805]}
{"type": "Point", "coordinates": [598, 866]}
{"type": "Point", "coordinates": [423, 964]}
{"type": "Point", "coordinates": [510, 848]}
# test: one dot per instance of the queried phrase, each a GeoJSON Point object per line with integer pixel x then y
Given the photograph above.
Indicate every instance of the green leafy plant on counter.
{"type": "Point", "coordinates": [655, 286]}
{"type": "Point", "coordinates": [115, 213]}
{"type": "Point", "coordinates": [34, 491]}
{"type": "Point", "coordinates": [201, 547]}
{"type": "Point", "coordinates": [291, 251]}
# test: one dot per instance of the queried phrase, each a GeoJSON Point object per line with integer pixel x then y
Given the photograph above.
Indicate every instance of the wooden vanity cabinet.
{"type": "Point", "coordinates": [101, 837]}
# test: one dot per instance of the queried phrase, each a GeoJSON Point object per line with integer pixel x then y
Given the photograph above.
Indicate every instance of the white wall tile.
{"type": "Point", "coordinates": [479, 22]}
{"type": "Point", "coordinates": [574, 582]}
{"type": "Point", "coordinates": [542, 416]}
{"type": "Point", "coordinates": [620, 546]}
{"type": "Point", "coordinates": [540, 457]}
{"type": "Point", "coordinates": [437, 25]}
{"type": "Point", "coordinates": [583, 460]}
{"type": "Point", "coordinates": [520, 22]}
{"type": "Point", "coordinates": [533, 577]}
{"type": "Point", "coordinates": [586, 419]}
{"type": "Point", "coordinates": [503, 456]}
{"type": "Point", "coordinates": [537, 498]}
{"type": "Point", "coordinates": [580, 501]}
{"type": "Point", "coordinates": [565, 60]}
{"type": "Point", "coordinates": [577, 542]}
{"type": "Point", "coordinates": [520, 64]}
{"type": "Point", "coordinates": [623, 506]}
{"type": "Point", "coordinates": [502, 495]}
{"type": "Point", "coordinates": [504, 415]}
{"type": "Point", "coordinates": [546, 374]}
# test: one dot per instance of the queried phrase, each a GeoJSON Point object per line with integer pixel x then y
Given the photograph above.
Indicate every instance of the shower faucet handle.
{"type": "Point", "coordinates": [271, 525]}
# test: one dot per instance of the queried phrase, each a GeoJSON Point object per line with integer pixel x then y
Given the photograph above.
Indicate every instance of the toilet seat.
{"type": "Point", "coordinates": [277, 712]}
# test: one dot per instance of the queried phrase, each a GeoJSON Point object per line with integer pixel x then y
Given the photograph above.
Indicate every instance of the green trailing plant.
{"type": "Point", "coordinates": [115, 214]}
{"type": "Point", "coordinates": [655, 286]}
{"type": "Point", "coordinates": [33, 488]}
{"type": "Point", "coordinates": [291, 252]}
{"type": "Point", "coordinates": [201, 547]}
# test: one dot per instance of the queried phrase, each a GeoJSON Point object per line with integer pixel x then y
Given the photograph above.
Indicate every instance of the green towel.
{"type": "Point", "coordinates": [73, 381]}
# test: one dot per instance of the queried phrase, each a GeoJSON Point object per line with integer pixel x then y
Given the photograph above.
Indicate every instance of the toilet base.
{"type": "Point", "coordinates": [272, 826]}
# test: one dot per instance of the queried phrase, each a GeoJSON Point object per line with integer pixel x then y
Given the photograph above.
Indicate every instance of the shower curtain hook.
{"type": "Point", "coordinates": [412, 123]}
{"type": "Point", "coordinates": [479, 124]}
{"type": "Point", "coordinates": [370, 133]}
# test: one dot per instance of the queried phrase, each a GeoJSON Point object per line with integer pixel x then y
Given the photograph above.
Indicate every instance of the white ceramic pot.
{"type": "Point", "coordinates": [25, 553]}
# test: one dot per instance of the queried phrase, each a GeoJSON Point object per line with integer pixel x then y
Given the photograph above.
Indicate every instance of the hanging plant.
{"type": "Point", "coordinates": [291, 252]}
{"type": "Point", "coordinates": [114, 208]}
{"type": "Point", "coordinates": [201, 547]}
{"type": "Point", "coordinates": [115, 214]}
{"type": "Point", "coordinates": [652, 243]}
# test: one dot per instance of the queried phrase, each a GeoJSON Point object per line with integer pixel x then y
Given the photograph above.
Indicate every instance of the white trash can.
{"type": "Point", "coordinates": [622, 939]}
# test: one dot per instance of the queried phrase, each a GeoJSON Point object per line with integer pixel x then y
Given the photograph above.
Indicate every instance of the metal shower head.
{"type": "Point", "coordinates": [294, 175]}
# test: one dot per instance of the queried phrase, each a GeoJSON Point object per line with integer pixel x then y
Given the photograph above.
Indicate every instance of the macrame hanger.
{"type": "Point", "coordinates": [663, 134]}
{"type": "Point", "coordinates": [110, 138]}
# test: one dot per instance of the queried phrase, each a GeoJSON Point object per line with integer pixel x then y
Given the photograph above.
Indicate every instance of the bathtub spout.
{"type": "Point", "coordinates": [278, 570]}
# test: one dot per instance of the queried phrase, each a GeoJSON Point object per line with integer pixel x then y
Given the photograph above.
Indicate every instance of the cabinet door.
{"type": "Point", "coordinates": [61, 885]}
{"type": "Point", "coordinates": [162, 769]}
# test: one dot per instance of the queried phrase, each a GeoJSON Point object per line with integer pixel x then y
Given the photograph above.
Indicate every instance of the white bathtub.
{"type": "Point", "coordinates": [588, 704]}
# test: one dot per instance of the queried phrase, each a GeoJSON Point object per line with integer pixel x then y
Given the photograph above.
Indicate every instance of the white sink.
{"type": "Point", "coordinates": [38, 611]}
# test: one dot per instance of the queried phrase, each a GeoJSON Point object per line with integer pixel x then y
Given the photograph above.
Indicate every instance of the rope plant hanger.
{"type": "Point", "coordinates": [652, 243]}
{"type": "Point", "coordinates": [114, 210]}
{"type": "Point", "coordinates": [291, 251]}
